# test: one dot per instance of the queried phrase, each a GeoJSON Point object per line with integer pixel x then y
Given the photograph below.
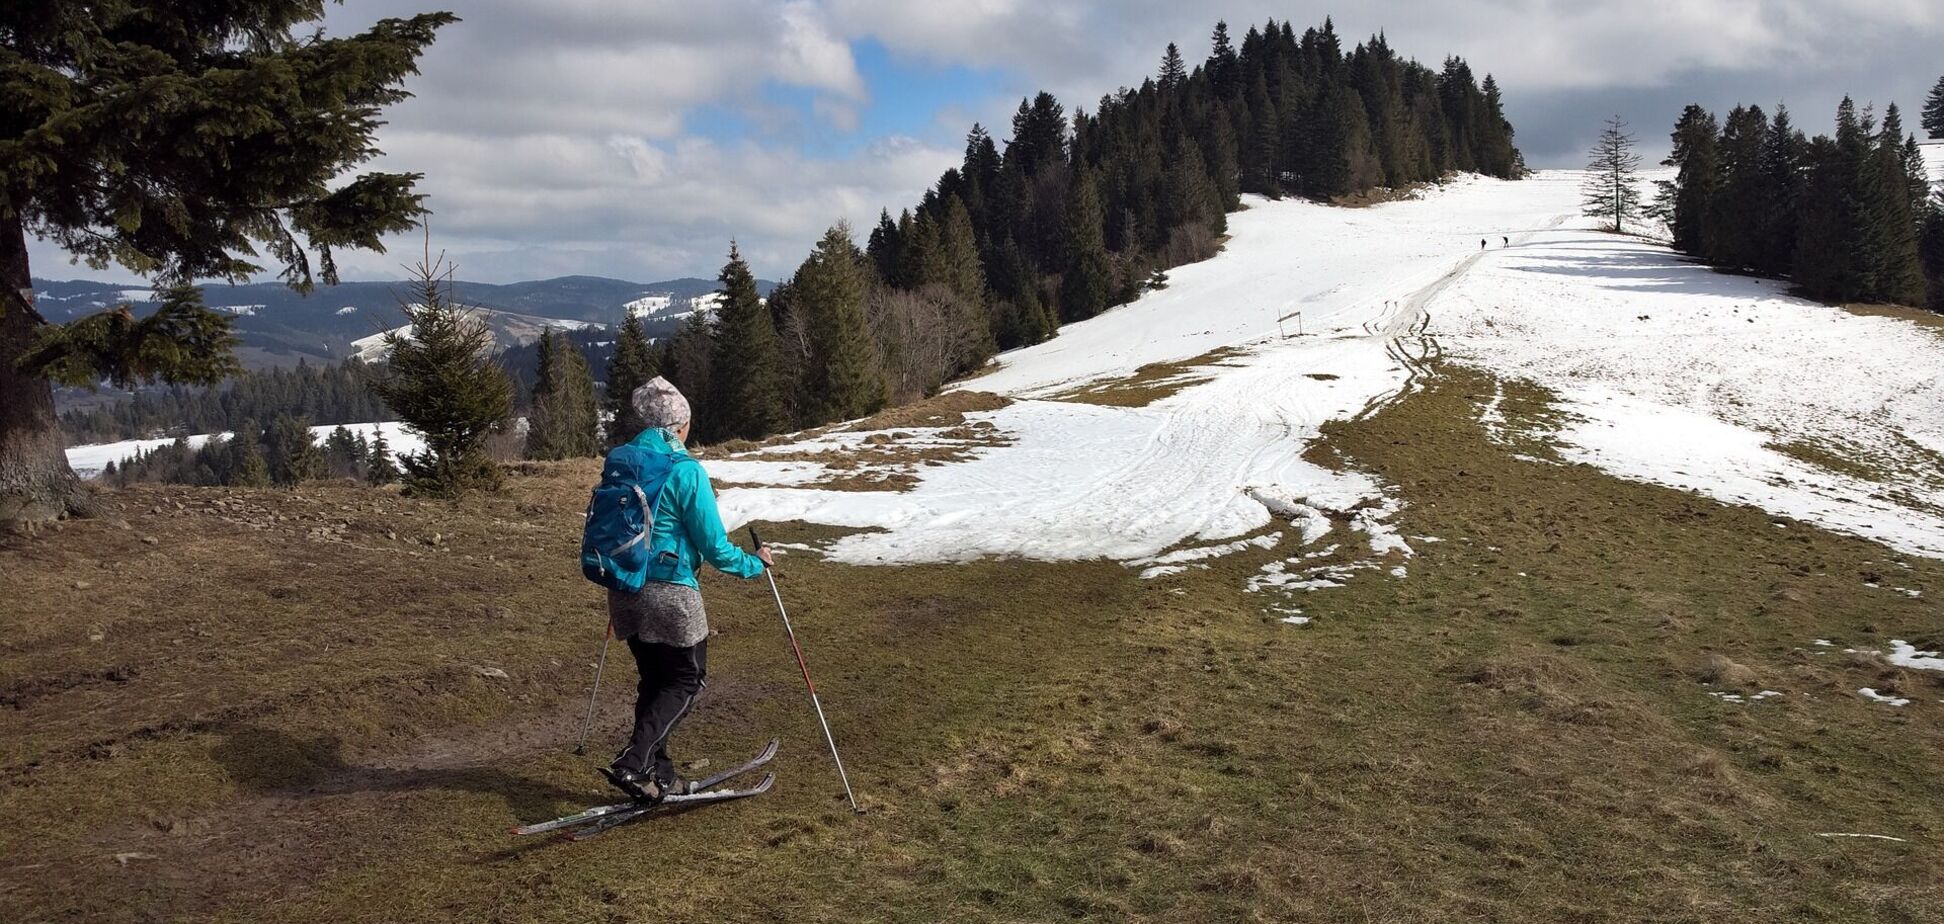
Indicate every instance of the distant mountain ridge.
{"type": "Point", "coordinates": [279, 326]}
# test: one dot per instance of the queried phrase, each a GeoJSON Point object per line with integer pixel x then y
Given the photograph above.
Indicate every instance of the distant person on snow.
{"type": "Point", "coordinates": [1481, 243]}
{"type": "Point", "coordinates": [1507, 240]}
{"type": "Point", "coordinates": [664, 624]}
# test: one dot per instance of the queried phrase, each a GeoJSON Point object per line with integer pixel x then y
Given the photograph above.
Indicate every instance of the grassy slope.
{"type": "Point", "coordinates": [1515, 732]}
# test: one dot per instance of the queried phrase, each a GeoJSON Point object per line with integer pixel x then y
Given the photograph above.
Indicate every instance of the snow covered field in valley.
{"type": "Point", "coordinates": [88, 461]}
{"type": "Point", "coordinates": [1673, 374]}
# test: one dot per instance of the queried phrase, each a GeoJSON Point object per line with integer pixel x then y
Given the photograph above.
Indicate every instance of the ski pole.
{"type": "Point", "coordinates": [807, 682]}
{"type": "Point", "coordinates": [599, 666]}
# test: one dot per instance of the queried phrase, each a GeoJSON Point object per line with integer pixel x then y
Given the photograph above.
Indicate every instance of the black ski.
{"type": "Point", "coordinates": [762, 757]}
{"type": "Point", "coordinates": [695, 788]}
{"type": "Point", "coordinates": [634, 811]}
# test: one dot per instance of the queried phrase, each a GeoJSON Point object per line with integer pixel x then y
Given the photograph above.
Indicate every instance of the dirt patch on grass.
{"type": "Point", "coordinates": [1150, 383]}
{"type": "Point", "coordinates": [1382, 194]}
{"type": "Point", "coordinates": [945, 410]}
{"type": "Point", "coordinates": [890, 459]}
{"type": "Point", "coordinates": [1918, 316]}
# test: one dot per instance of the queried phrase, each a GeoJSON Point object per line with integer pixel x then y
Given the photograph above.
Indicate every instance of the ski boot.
{"type": "Point", "coordinates": [641, 787]}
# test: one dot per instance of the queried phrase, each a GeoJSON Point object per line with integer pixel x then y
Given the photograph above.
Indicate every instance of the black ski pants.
{"type": "Point", "coordinates": [671, 680]}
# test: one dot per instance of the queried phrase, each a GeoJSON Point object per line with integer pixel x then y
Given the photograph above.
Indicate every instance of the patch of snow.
{"type": "Point", "coordinates": [1163, 570]}
{"type": "Point", "coordinates": [1904, 654]}
{"type": "Point", "coordinates": [139, 295]}
{"type": "Point", "coordinates": [348, 309]}
{"type": "Point", "coordinates": [747, 471]}
{"type": "Point", "coordinates": [1872, 695]}
{"type": "Point", "coordinates": [1267, 541]}
{"type": "Point", "coordinates": [1491, 417]}
{"type": "Point", "coordinates": [241, 311]}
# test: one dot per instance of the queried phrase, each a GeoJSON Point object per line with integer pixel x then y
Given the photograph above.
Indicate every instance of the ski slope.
{"type": "Point", "coordinates": [1674, 375]}
{"type": "Point", "coordinates": [1214, 461]}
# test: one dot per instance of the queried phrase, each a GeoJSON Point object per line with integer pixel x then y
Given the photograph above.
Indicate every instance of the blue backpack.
{"type": "Point", "coordinates": [621, 514]}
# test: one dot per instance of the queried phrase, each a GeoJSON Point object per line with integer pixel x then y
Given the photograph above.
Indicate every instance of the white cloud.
{"type": "Point", "coordinates": [644, 209]}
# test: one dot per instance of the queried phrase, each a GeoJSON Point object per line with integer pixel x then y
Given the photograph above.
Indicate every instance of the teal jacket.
{"type": "Point", "coordinates": [688, 529]}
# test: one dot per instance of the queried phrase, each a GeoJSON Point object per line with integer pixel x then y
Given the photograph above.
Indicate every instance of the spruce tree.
{"type": "Point", "coordinates": [1782, 169]}
{"type": "Point", "coordinates": [562, 417]}
{"type": "Point", "coordinates": [543, 425]}
{"type": "Point", "coordinates": [632, 366]}
{"type": "Point", "coordinates": [178, 140]}
{"type": "Point", "coordinates": [1900, 274]}
{"type": "Point", "coordinates": [442, 380]}
{"type": "Point", "coordinates": [843, 380]}
{"type": "Point", "coordinates": [1223, 65]}
{"type": "Point", "coordinates": [1931, 245]}
{"type": "Point", "coordinates": [1934, 111]}
{"type": "Point", "coordinates": [248, 468]}
{"type": "Point", "coordinates": [687, 363]}
{"type": "Point", "coordinates": [379, 466]}
{"type": "Point", "coordinates": [1686, 200]}
{"type": "Point", "coordinates": [1173, 72]}
{"type": "Point", "coordinates": [884, 247]}
{"type": "Point", "coordinates": [1737, 215]}
{"type": "Point", "coordinates": [958, 268]}
{"type": "Point", "coordinates": [581, 420]}
{"type": "Point", "coordinates": [1822, 261]}
{"type": "Point", "coordinates": [748, 403]}
{"type": "Point", "coordinates": [1083, 292]}
{"type": "Point", "coordinates": [343, 456]}
{"type": "Point", "coordinates": [1498, 156]}
{"type": "Point", "coordinates": [1611, 190]}
{"type": "Point", "coordinates": [294, 456]}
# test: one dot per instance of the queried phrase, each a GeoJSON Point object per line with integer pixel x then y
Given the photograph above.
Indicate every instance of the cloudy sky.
{"type": "Point", "coordinates": [635, 138]}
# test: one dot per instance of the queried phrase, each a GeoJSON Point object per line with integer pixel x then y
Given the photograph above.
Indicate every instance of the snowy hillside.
{"type": "Point", "coordinates": [509, 329]}
{"type": "Point", "coordinates": [1218, 460]}
{"type": "Point", "coordinates": [1682, 376]}
{"type": "Point", "coordinates": [667, 308]}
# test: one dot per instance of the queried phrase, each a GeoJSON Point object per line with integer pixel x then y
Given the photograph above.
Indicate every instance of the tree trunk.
{"type": "Point", "coordinates": [36, 483]}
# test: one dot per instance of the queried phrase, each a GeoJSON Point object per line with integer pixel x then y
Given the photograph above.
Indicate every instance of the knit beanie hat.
{"type": "Point", "coordinates": [659, 404]}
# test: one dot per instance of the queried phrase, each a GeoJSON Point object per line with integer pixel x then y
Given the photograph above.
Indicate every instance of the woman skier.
{"type": "Point", "coordinates": [664, 624]}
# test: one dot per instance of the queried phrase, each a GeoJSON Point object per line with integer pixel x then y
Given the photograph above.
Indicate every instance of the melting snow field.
{"type": "Point", "coordinates": [1670, 373]}
{"type": "Point", "coordinates": [1216, 462]}
{"type": "Point", "coordinates": [1719, 384]}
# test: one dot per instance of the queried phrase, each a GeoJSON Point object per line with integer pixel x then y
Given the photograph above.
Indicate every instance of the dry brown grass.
{"type": "Point", "coordinates": [944, 410]}
{"type": "Point", "coordinates": [281, 720]}
{"type": "Point", "coordinates": [1149, 383]}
